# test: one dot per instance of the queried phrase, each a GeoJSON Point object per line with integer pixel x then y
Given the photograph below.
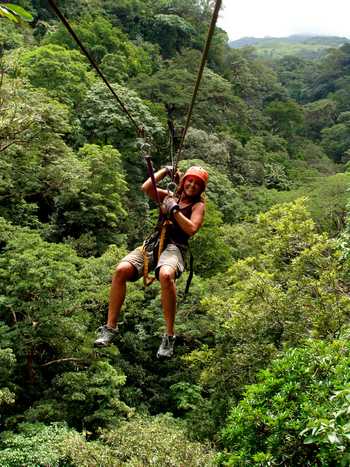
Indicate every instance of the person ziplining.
{"type": "Point", "coordinates": [185, 213]}
{"type": "Point", "coordinates": [181, 216]}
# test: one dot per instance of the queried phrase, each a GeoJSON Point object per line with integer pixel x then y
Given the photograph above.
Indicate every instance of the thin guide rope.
{"type": "Point", "coordinates": [199, 75]}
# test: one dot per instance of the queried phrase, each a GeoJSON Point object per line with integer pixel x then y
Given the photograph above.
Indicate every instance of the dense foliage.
{"type": "Point", "coordinates": [260, 373]}
{"type": "Point", "coordinates": [296, 413]}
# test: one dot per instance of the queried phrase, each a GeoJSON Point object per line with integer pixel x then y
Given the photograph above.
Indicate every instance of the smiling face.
{"type": "Point", "coordinates": [193, 186]}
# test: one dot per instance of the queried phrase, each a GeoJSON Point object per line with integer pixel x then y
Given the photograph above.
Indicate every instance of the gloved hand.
{"type": "Point", "coordinates": [169, 170]}
{"type": "Point", "coordinates": [175, 177]}
{"type": "Point", "coordinates": [169, 205]}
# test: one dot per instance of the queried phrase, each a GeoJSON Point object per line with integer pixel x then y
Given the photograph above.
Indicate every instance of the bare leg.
{"type": "Point", "coordinates": [123, 273]}
{"type": "Point", "coordinates": [167, 284]}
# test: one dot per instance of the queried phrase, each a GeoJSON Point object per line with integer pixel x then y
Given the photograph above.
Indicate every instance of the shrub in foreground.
{"type": "Point", "coordinates": [297, 413]}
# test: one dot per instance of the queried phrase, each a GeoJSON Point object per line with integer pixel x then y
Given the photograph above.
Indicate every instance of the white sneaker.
{"type": "Point", "coordinates": [166, 348]}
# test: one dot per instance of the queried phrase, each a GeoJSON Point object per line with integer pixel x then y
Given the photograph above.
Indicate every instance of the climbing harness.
{"type": "Point", "coordinates": [155, 243]}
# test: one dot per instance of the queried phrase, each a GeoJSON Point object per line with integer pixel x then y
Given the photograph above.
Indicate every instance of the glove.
{"type": "Point", "coordinates": [169, 205]}
{"type": "Point", "coordinates": [175, 177]}
{"type": "Point", "coordinates": [169, 170]}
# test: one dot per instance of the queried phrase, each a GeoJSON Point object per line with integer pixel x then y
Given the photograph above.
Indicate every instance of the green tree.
{"type": "Point", "coordinates": [263, 161]}
{"type": "Point", "coordinates": [163, 441]}
{"type": "Point", "coordinates": [286, 117]}
{"type": "Point", "coordinates": [94, 204]}
{"type": "Point", "coordinates": [106, 123]}
{"type": "Point", "coordinates": [295, 413]}
{"type": "Point", "coordinates": [129, 14]}
{"type": "Point", "coordinates": [211, 148]}
{"type": "Point", "coordinates": [157, 440]}
{"type": "Point", "coordinates": [36, 444]}
{"type": "Point", "coordinates": [341, 95]}
{"type": "Point", "coordinates": [101, 38]}
{"type": "Point", "coordinates": [97, 35]}
{"type": "Point", "coordinates": [27, 114]}
{"type": "Point", "coordinates": [53, 67]}
{"type": "Point", "coordinates": [71, 9]}
{"type": "Point", "coordinates": [119, 67]}
{"type": "Point", "coordinates": [208, 248]}
{"type": "Point", "coordinates": [323, 80]}
{"type": "Point", "coordinates": [285, 291]}
{"type": "Point", "coordinates": [33, 170]}
{"type": "Point", "coordinates": [7, 365]}
{"type": "Point", "coordinates": [195, 12]}
{"type": "Point", "coordinates": [171, 32]}
{"type": "Point", "coordinates": [251, 78]}
{"type": "Point", "coordinates": [10, 36]}
{"type": "Point", "coordinates": [336, 141]}
{"type": "Point", "coordinates": [47, 293]}
{"type": "Point", "coordinates": [293, 73]}
{"type": "Point", "coordinates": [216, 106]}
{"type": "Point", "coordinates": [318, 115]}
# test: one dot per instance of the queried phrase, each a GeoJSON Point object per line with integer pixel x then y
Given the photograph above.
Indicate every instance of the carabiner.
{"type": "Point", "coordinates": [171, 188]}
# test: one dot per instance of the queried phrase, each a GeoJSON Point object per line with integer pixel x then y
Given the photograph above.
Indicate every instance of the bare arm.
{"type": "Point", "coordinates": [192, 225]}
{"type": "Point", "coordinates": [148, 189]}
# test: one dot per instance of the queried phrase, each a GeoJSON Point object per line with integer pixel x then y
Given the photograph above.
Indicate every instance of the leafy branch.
{"type": "Point", "coordinates": [14, 13]}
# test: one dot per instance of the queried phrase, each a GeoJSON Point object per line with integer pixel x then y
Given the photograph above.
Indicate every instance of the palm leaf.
{"type": "Point", "coordinates": [5, 13]}
{"type": "Point", "coordinates": [18, 10]}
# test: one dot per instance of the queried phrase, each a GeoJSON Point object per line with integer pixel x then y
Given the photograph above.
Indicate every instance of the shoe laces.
{"type": "Point", "coordinates": [167, 341]}
{"type": "Point", "coordinates": [105, 329]}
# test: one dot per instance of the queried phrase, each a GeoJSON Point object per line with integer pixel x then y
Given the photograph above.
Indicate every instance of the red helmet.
{"type": "Point", "coordinates": [198, 172]}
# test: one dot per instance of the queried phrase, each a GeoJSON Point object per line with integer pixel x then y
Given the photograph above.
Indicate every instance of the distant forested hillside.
{"type": "Point", "coordinates": [303, 46]}
{"type": "Point", "coordinates": [260, 374]}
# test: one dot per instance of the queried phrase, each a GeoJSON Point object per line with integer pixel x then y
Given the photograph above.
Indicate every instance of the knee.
{"type": "Point", "coordinates": [122, 272]}
{"type": "Point", "coordinates": [166, 276]}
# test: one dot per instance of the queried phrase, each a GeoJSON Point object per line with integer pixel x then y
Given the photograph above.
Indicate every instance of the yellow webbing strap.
{"type": "Point", "coordinates": [147, 279]}
{"type": "Point", "coordinates": [163, 235]}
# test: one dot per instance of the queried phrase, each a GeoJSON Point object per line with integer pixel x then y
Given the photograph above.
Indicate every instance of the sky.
{"type": "Point", "coordinates": [280, 18]}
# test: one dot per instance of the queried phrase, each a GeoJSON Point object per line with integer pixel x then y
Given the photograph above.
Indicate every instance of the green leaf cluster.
{"type": "Point", "coordinates": [14, 13]}
{"type": "Point", "coordinates": [296, 413]}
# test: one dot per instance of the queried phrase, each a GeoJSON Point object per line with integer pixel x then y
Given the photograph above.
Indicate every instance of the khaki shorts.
{"type": "Point", "coordinates": [171, 256]}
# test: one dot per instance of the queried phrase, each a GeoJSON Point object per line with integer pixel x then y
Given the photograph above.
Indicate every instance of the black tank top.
{"type": "Point", "coordinates": [176, 234]}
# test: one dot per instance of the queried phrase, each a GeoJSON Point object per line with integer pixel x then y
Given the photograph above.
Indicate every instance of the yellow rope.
{"type": "Point", "coordinates": [147, 279]}
{"type": "Point", "coordinates": [163, 236]}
